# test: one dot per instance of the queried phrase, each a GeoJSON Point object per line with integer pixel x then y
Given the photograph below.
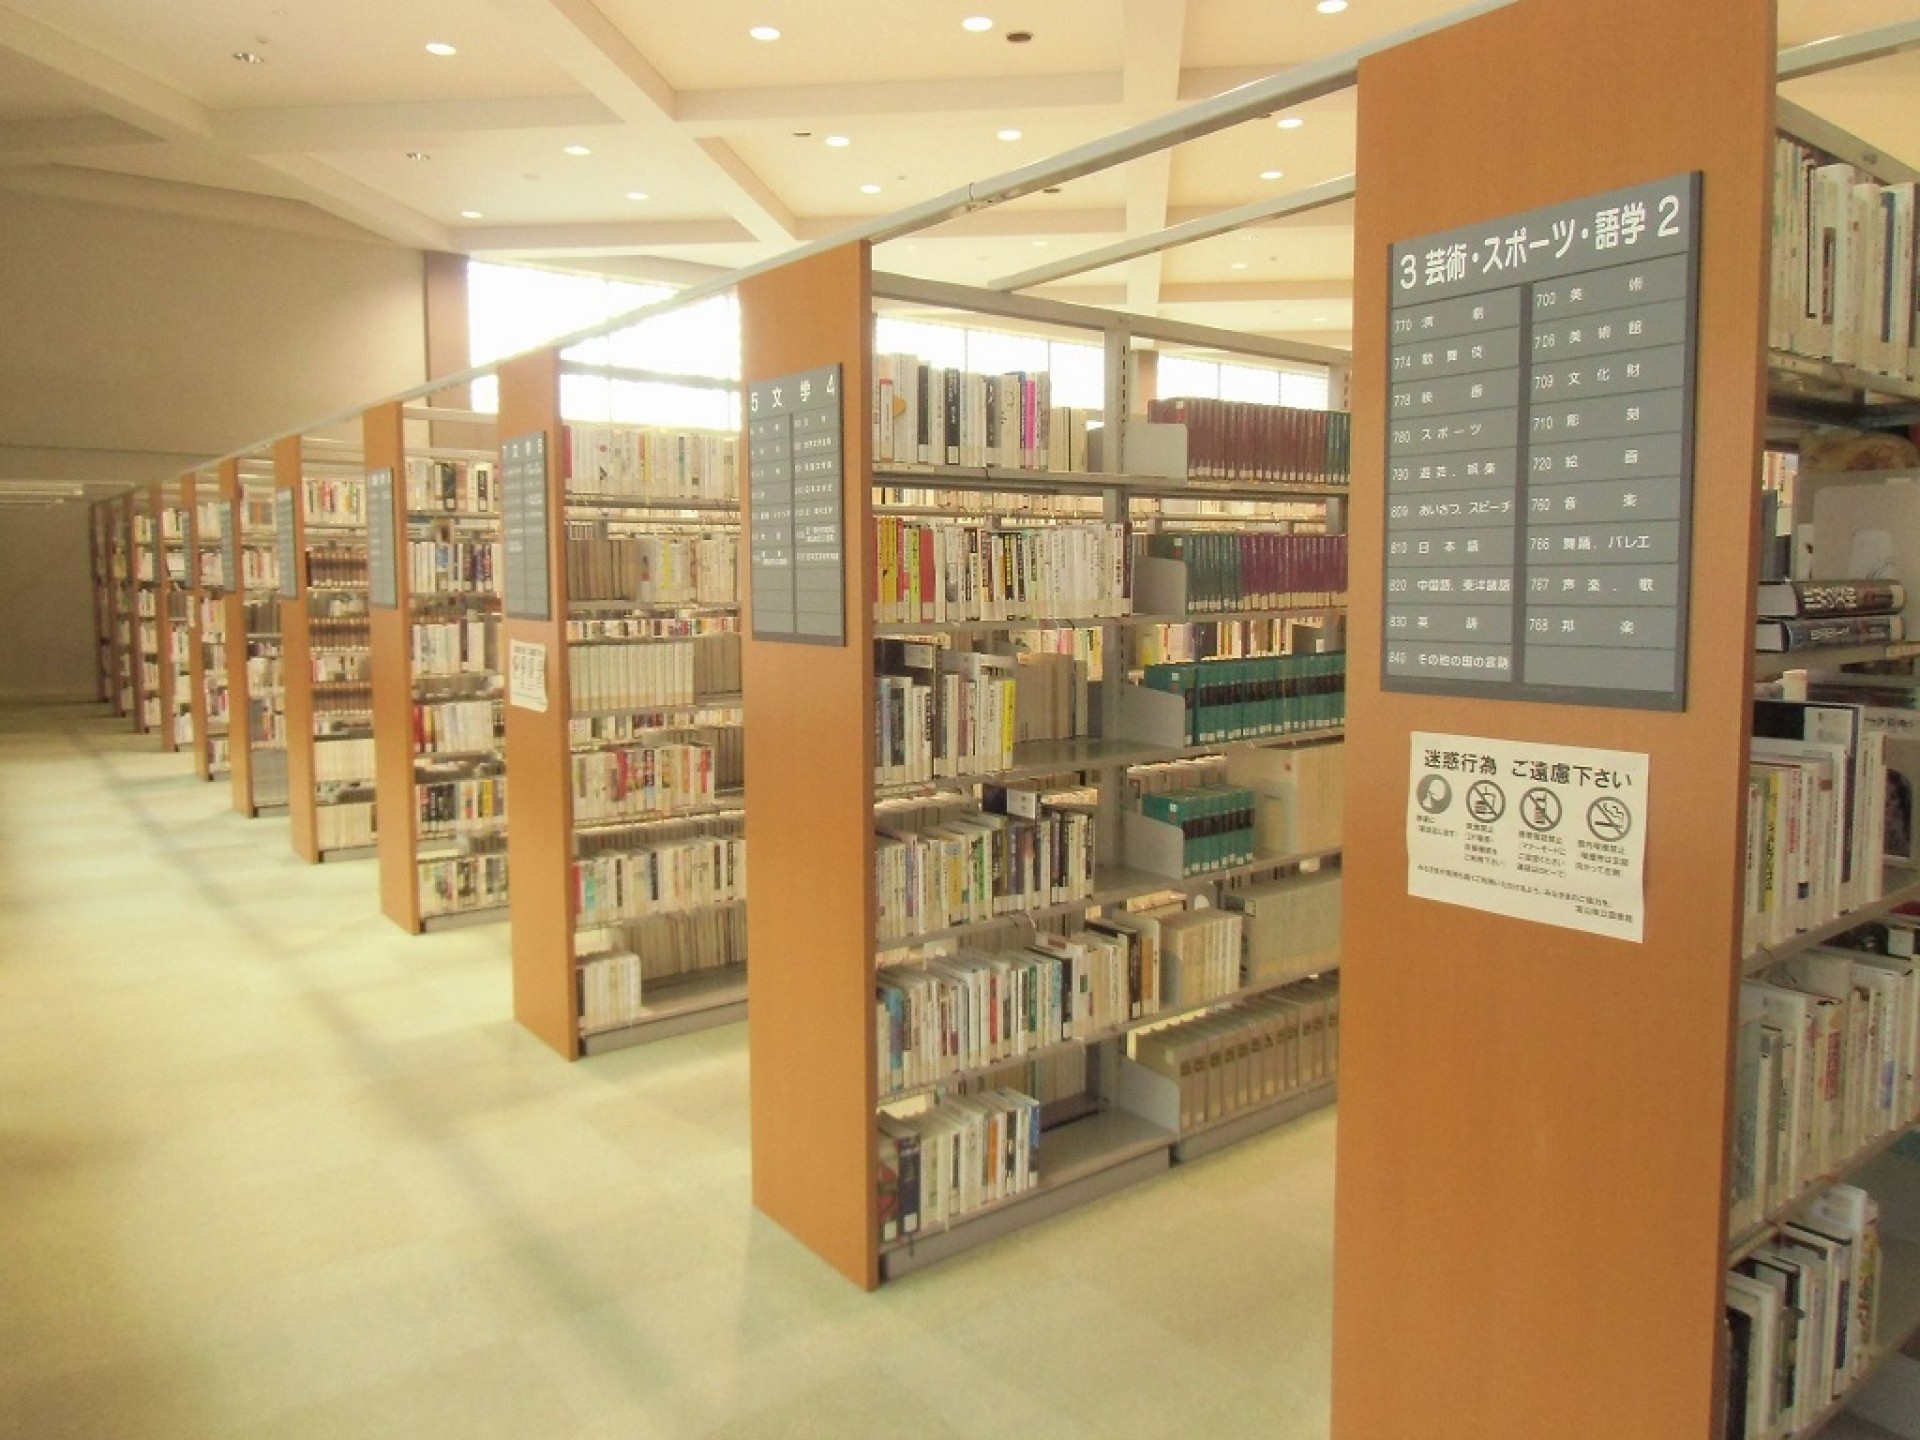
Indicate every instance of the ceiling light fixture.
{"type": "Point", "coordinates": [1331, 7]}
{"type": "Point", "coordinates": [576, 150]}
{"type": "Point", "coordinates": [470, 215]}
{"type": "Point", "coordinates": [637, 195]}
{"type": "Point", "coordinates": [249, 57]}
{"type": "Point", "coordinates": [1007, 134]}
{"type": "Point", "coordinates": [764, 32]}
{"type": "Point", "coordinates": [1039, 244]}
{"type": "Point", "coordinates": [440, 47]}
{"type": "Point", "coordinates": [1239, 265]}
{"type": "Point", "coordinates": [418, 155]}
{"type": "Point", "coordinates": [869, 189]}
{"type": "Point", "coordinates": [977, 23]}
{"type": "Point", "coordinates": [1290, 122]}
{"type": "Point", "coordinates": [1019, 37]}
{"type": "Point", "coordinates": [1271, 174]}
{"type": "Point", "coordinates": [838, 142]}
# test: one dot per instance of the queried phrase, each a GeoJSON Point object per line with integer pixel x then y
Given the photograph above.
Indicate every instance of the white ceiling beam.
{"type": "Point", "coordinates": [32, 142]}
{"type": "Point", "coordinates": [614, 235]}
{"type": "Point", "coordinates": [311, 128]}
{"type": "Point", "coordinates": [594, 51]}
{"type": "Point", "coordinates": [1204, 84]}
{"type": "Point", "coordinates": [1001, 222]}
{"type": "Point", "coordinates": [359, 202]}
{"type": "Point", "coordinates": [1155, 36]}
{"type": "Point", "coordinates": [783, 108]}
{"type": "Point", "coordinates": [1836, 52]}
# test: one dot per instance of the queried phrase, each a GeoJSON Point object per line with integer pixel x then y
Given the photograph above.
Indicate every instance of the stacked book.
{"type": "Point", "coordinates": [1794, 615]}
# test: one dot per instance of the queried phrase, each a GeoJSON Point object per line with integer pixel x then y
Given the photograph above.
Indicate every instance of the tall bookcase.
{"type": "Point", "coordinates": [325, 654]}
{"type": "Point", "coordinates": [100, 571]}
{"type": "Point", "coordinates": [178, 581]}
{"type": "Point", "coordinates": [148, 568]}
{"type": "Point", "coordinates": [1532, 1178]}
{"type": "Point", "coordinates": [627, 878]}
{"type": "Point", "coordinates": [124, 682]}
{"type": "Point", "coordinates": [440, 782]}
{"type": "Point", "coordinates": [214, 560]}
{"type": "Point", "coordinates": [256, 687]}
{"type": "Point", "coordinates": [829, 956]}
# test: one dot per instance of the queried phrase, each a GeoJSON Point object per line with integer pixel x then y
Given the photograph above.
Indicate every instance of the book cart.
{"type": "Point", "coordinates": [252, 636]}
{"type": "Point", "coordinates": [320, 493]}
{"type": "Point", "coordinates": [624, 713]}
{"type": "Point", "coordinates": [1541, 1125]}
{"type": "Point", "coordinates": [438, 731]}
{"type": "Point", "coordinates": [176, 601]}
{"type": "Point", "coordinates": [841, 951]}
{"type": "Point", "coordinates": [214, 562]}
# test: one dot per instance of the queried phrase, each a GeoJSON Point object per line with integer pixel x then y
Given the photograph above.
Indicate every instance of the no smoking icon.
{"type": "Point", "coordinates": [1609, 819]}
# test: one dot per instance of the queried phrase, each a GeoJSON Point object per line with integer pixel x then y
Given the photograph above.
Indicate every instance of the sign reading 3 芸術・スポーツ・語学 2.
{"type": "Point", "coordinates": [1540, 452]}
{"type": "Point", "coordinates": [795, 474]}
{"type": "Point", "coordinates": [383, 551]}
{"type": "Point", "coordinates": [1551, 833]}
{"type": "Point", "coordinates": [523, 525]}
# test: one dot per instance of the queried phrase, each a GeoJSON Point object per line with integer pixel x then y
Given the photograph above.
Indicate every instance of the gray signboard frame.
{"type": "Point", "coordinates": [286, 551]}
{"type": "Point", "coordinates": [796, 481]}
{"type": "Point", "coordinates": [1540, 453]}
{"type": "Point", "coordinates": [525, 527]}
{"type": "Point", "coordinates": [383, 550]}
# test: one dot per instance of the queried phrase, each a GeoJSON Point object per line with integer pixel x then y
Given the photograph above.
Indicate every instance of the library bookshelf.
{"type": "Point", "coordinates": [175, 604]}
{"type": "Point", "coordinates": [252, 637]}
{"type": "Point", "coordinates": [624, 737]}
{"type": "Point", "coordinates": [433, 634]}
{"type": "Point", "coordinates": [213, 563]}
{"type": "Point", "coordinates": [148, 567]}
{"type": "Point", "coordinates": [100, 573]}
{"type": "Point", "coordinates": [125, 678]}
{"type": "Point", "coordinates": [842, 812]}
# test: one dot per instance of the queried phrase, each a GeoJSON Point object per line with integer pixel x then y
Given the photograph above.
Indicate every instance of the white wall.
{"type": "Point", "coordinates": [135, 344]}
{"type": "Point", "coordinates": [46, 603]}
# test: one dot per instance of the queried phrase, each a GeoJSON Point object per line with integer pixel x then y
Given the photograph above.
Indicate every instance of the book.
{"type": "Point", "coordinates": [1823, 599]}
{"type": "Point", "coordinates": [1774, 637]}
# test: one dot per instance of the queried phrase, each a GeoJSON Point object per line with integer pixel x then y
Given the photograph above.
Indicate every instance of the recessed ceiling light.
{"type": "Point", "coordinates": [764, 32]}
{"type": "Point", "coordinates": [869, 189]}
{"type": "Point", "coordinates": [1290, 122]}
{"type": "Point", "coordinates": [1239, 265]}
{"type": "Point", "coordinates": [1331, 7]}
{"type": "Point", "coordinates": [249, 57]}
{"type": "Point", "coordinates": [418, 155]}
{"type": "Point", "coordinates": [1039, 244]}
{"type": "Point", "coordinates": [838, 142]}
{"type": "Point", "coordinates": [470, 215]}
{"type": "Point", "coordinates": [1321, 320]}
{"type": "Point", "coordinates": [976, 23]}
{"type": "Point", "coordinates": [636, 194]}
{"type": "Point", "coordinates": [1019, 37]}
{"type": "Point", "coordinates": [1007, 134]}
{"type": "Point", "coordinates": [1271, 174]}
{"type": "Point", "coordinates": [576, 150]}
{"type": "Point", "coordinates": [440, 47]}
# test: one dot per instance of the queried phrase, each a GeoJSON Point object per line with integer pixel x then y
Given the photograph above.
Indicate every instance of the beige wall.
{"type": "Point", "coordinates": [46, 603]}
{"type": "Point", "coordinates": [135, 344]}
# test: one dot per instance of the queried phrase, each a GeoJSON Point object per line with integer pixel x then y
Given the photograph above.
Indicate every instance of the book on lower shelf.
{"type": "Point", "coordinates": [1826, 599]}
{"type": "Point", "coordinates": [1787, 637]}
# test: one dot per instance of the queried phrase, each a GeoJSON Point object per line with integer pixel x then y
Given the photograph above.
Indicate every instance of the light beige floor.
{"type": "Point", "coordinates": [269, 1167]}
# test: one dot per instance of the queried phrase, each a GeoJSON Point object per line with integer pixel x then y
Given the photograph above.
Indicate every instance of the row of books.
{"type": "Point", "coordinates": [955, 1157]}
{"type": "Point", "coordinates": [342, 761]}
{"type": "Point", "coordinates": [453, 567]}
{"type": "Point", "coordinates": [1300, 795]}
{"type": "Point", "coordinates": [345, 826]}
{"type": "Point", "coordinates": [1246, 441]}
{"type": "Point", "coordinates": [458, 726]}
{"type": "Point", "coordinates": [337, 567]}
{"type": "Point", "coordinates": [640, 780]}
{"type": "Point", "coordinates": [713, 725]}
{"type": "Point", "coordinates": [652, 464]}
{"type": "Point", "coordinates": [1246, 1055]}
{"type": "Point", "coordinates": [944, 864]}
{"type": "Point", "coordinates": [957, 716]}
{"type": "Point", "coordinates": [1214, 825]}
{"type": "Point", "coordinates": [650, 627]}
{"type": "Point", "coordinates": [452, 884]}
{"type": "Point", "coordinates": [1816, 817]}
{"type": "Point", "coordinates": [1262, 695]}
{"type": "Point", "coordinates": [1254, 570]}
{"type": "Point", "coordinates": [609, 675]}
{"type": "Point", "coordinates": [676, 946]}
{"type": "Point", "coordinates": [1844, 253]}
{"type": "Point", "coordinates": [938, 572]}
{"type": "Point", "coordinates": [1801, 1315]}
{"type": "Point", "coordinates": [259, 569]}
{"type": "Point", "coordinates": [1795, 615]}
{"type": "Point", "coordinates": [1292, 926]}
{"type": "Point", "coordinates": [610, 991]}
{"type": "Point", "coordinates": [341, 501]}
{"type": "Point", "coordinates": [655, 569]}
{"type": "Point", "coordinates": [440, 486]}
{"type": "Point", "coordinates": [1827, 1048]}
{"type": "Point", "coordinates": [942, 415]}
{"type": "Point", "coordinates": [673, 875]}
{"type": "Point", "coordinates": [458, 804]}
{"type": "Point", "coordinates": [442, 648]}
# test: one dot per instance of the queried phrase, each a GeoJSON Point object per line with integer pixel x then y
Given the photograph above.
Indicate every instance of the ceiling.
{"type": "Point", "coordinates": [708, 148]}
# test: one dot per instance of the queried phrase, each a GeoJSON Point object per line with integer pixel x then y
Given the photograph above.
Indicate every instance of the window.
{"type": "Point", "coordinates": [1303, 387]}
{"type": "Point", "coordinates": [1077, 371]}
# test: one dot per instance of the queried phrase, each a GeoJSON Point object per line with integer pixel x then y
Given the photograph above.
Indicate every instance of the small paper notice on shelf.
{"type": "Point", "coordinates": [527, 675]}
{"type": "Point", "coordinates": [1551, 833]}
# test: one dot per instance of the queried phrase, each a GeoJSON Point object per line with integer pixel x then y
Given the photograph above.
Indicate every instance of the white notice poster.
{"type": "Point", "coordinates": [527, 676]}
{"type": "Point", "coordinates": [1553, 833]}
